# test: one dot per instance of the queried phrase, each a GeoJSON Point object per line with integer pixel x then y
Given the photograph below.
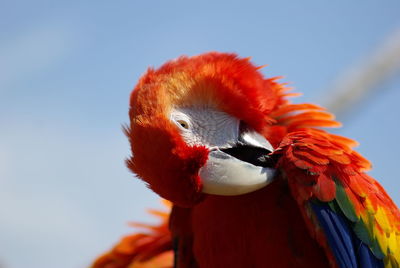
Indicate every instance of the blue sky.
{"type": "Point", "coordinates": [67, 69]}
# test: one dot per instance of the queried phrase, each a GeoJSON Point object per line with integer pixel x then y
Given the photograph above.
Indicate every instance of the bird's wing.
{"type": "Point", "coordinates": [347, 211]}
{"type": "Point", "coordinates": [151, 248]}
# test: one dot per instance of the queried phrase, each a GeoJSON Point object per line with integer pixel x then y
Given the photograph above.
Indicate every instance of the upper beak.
{"type": "Point", "coordinates": [241, 169]}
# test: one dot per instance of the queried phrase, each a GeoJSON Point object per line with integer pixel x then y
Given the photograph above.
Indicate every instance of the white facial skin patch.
{"type": "Point", "coordinates": [223, 174]}
{"type": "Point", "coordinates": [206, 126]}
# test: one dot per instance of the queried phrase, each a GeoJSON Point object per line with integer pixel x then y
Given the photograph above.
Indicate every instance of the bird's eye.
{"type": "Point", "coordinates": [183, 124]}
{"type": "Point", "coordinates": [181, 120]}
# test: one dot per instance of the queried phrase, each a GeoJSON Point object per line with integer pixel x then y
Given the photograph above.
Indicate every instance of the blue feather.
{"type": "Point", "coordinates": [348, 250]}
{"type": "Point", "coordinates": [366, 258]}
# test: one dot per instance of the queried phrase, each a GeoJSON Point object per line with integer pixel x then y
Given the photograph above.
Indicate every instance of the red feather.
{"type": "Point", "coordinates": [325, 189]}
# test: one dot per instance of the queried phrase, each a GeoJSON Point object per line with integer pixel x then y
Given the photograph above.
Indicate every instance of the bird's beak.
{"type": "Point", "coordinates": [241, 169]}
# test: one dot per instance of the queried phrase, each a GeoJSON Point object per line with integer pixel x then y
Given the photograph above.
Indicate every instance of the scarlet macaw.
{"type": "Point", "coordinates": [253, 180]}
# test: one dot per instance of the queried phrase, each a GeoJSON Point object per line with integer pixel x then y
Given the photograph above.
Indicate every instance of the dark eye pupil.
{"type": "Point", "coordinates": [183, 124]}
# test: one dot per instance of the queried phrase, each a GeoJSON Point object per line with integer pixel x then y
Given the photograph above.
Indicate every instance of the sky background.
{"type": "Point", "coordinates": [66, 72]}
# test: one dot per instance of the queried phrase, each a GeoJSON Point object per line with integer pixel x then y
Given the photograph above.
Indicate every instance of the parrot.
{"type": "Point", "coordinates": [253, 179]}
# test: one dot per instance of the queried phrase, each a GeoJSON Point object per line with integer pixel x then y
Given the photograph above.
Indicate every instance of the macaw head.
{"type": "Point", "coordinates": [206, 125]}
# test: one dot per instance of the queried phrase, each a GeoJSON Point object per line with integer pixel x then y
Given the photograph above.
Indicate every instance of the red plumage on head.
{"type": "Point", "coordinates": [217, 80]}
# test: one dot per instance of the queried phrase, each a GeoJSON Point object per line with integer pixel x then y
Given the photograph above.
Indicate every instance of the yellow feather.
{"type": "Point", "coordinates": [383, 220]}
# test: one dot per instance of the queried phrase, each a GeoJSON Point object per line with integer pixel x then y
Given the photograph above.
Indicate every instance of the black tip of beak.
{"type": "Point", "coordinates": [252, 148]}
{"type": "Point", "coordinates": [254, 155]}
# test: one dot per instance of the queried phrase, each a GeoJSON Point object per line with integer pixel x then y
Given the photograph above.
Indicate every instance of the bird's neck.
{"type": "Point", "coordinates": [237, 230]}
